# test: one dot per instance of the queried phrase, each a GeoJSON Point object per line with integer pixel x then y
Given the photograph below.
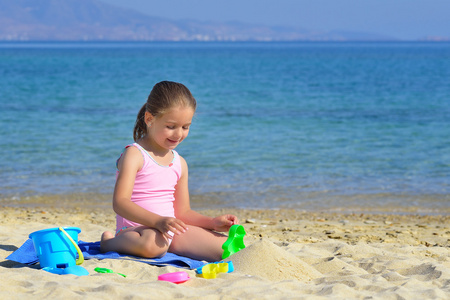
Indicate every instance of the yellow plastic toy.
{"type": "Point", "coordinates": [210, 271]}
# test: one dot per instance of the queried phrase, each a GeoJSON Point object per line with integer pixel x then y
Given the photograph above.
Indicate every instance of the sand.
{"type": "Point", "coordinates": [289, 255]}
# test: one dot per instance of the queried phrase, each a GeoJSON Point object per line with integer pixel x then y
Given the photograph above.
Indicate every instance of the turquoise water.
{"type": "Point", "coordinates": [303, 125]}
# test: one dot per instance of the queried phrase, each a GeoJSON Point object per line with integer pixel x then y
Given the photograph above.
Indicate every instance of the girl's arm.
{"type": "Point", "coordinates": [184, 212]}
{"type": "Point", "coordinates": [129, 164]}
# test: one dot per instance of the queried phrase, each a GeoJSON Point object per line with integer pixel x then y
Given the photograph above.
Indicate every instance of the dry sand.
{"type": "Point", "coordinates": [289, 255]}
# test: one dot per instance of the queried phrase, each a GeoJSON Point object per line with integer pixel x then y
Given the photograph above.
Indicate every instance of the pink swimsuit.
{"type": "Point", "coordinates": [154, 187]}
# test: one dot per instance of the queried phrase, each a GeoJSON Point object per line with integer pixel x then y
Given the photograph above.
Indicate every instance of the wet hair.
{"type": "Point", "coordinates": [164, 96]}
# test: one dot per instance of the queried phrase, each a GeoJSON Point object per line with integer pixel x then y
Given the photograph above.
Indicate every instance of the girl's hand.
{"type": "Point", "coordinates": [223, 223]}
{"type": "Point", "coordinates": [166, 224]}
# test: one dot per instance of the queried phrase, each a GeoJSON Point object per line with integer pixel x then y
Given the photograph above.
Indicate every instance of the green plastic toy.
{"type": "Point", "coordinates": [235, 241]}
{"type": "Point", "coordinates": [105, 270]}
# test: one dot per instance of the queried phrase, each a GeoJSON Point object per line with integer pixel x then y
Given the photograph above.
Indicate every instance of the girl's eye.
{"type": "Point", "coordinates": [173, 127]}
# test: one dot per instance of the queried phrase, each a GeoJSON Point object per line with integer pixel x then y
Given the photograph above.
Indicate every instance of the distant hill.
{"type": "Point", "coordinates": [93, 20]}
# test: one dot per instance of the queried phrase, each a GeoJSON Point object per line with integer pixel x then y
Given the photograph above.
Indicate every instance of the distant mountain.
{"type": "Point", "coordinates": [93, 20]}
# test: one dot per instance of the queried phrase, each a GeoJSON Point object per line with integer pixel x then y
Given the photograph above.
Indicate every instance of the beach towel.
{"type": "Point", "coordinates": [26, 254]}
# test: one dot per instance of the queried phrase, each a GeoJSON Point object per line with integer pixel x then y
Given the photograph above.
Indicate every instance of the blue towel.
{"type": "Point", "coordinates": [27, 255]}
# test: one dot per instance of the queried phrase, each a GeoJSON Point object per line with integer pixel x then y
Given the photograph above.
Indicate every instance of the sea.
{"type": "Point", "coordinates": [337, 126]}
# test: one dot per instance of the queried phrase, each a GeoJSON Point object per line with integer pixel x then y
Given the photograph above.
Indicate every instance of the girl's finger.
{"type": "Point", "coordinates": [180, 229]}
{"type": "Point", "coordinates": [182, 226]}
{"type": "Point", "coordinates": [176, 228]}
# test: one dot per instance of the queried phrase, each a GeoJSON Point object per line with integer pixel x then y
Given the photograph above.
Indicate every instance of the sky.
{"type": "Point", "coordinates": [403, 19]}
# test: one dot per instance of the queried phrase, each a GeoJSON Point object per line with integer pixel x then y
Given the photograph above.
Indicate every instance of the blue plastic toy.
{"type": "Point", "coordinates": [56, 250]}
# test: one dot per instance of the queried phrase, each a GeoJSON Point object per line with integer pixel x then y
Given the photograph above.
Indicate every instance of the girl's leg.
{"type": "Point", "coordinates": [139, 241]}
{"type": "Point", "coordinates": [199, 243]}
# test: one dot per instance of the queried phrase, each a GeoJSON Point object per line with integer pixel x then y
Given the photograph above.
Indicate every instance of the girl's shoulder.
{"type": "Point", "coordinates": [131, 155]}
{"type": "Point", "coordinates": [133, 149]}
{"type": "Point", "coordinates": [183, 162]}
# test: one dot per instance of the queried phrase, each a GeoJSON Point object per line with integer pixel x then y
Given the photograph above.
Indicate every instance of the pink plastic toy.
{"type": "Point", "coordinates": [176, 277]}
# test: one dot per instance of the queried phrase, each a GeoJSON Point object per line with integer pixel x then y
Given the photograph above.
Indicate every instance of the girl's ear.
{"type": "Point", "coordinates": [148, 118]}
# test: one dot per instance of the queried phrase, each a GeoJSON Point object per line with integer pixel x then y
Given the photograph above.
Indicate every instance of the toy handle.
{"type": "Point", "coordinates": [80, 259]}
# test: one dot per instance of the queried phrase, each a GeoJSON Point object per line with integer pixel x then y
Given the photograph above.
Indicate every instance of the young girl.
{"type": "Point", "coordinates": [151, 197]}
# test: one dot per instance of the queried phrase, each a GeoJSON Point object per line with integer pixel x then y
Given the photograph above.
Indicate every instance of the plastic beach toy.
{"type": "Point", "coordinates": [209, 271]}
{"type": "Point", "coordinates": [235, 241]}
{"type": "Point", "coordinates": [56, 250]}
{"type": "Point", "coordinates": [176, 277]}
{"type": "Point", "coordinates": [106, 270]}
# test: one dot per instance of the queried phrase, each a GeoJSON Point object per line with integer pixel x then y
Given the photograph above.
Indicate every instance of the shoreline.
{"type": "Point", "coordinates": [338, 204]}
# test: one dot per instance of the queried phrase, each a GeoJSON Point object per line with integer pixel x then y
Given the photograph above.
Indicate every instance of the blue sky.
{"type": "Point", "coordinates": [404, 19]}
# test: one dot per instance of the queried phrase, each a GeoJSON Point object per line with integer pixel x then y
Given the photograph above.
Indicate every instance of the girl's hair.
{"type": "Point", "coordinates": [164, 96]}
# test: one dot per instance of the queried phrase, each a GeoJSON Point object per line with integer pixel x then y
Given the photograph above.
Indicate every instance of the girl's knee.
{"type": "Point", "coordinates": [153, 247]}
{"type": "Point", "coordinates": [152, 251]}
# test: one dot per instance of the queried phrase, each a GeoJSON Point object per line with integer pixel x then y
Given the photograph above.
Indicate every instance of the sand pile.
{"type": "Point", "coordinates": [264, 258]}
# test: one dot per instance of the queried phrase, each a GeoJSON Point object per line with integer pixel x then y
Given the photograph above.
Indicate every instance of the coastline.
{"type": "Point", "coordinates": [289, 254]}
{"type": "Point", "coordinates": [366, 204]}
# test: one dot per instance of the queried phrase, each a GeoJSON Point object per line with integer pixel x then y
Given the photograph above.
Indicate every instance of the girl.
{"type": "Point", "coordinates": [151, 197]}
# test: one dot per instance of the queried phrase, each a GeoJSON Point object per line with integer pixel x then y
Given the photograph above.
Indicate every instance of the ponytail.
{"type": "Point", "coordinates": [140, 128]}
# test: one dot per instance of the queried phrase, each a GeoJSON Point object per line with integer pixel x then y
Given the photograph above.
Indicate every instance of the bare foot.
{"type": "Point", "coordinates": [106, 236]}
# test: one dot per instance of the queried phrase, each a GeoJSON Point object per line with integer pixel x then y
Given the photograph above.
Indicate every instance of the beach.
{"type": "Point", "coordinates": [334, 156]}
{"type": "Point", "coordinates": [289, 254]}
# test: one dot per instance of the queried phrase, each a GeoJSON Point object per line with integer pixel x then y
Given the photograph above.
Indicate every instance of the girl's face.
{"type": "Point", "coordinates": [170, 129]}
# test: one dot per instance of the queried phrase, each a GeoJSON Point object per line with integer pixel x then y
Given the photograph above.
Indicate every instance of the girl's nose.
{"type": "Point", "coordinates": [179, 133]}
